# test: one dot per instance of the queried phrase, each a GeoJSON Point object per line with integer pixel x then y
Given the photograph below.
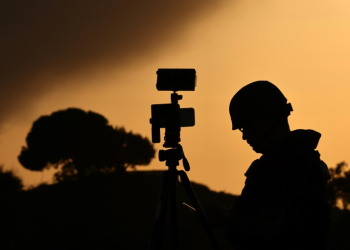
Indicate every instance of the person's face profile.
{"type": "Point", "coordinates": [248, 135]}
{"type": "Point", "coordinates": [252, 132]}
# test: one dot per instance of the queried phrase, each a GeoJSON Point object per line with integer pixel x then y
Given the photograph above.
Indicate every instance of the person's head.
{"type": "Point", "coordinates": [260, 111]}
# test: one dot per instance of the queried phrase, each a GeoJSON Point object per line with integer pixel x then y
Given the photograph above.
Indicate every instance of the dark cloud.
{"type": "Point", "coordinates": [60, 37]}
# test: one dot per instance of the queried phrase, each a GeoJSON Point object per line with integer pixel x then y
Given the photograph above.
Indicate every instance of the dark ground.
{"type": "Point", "coordinates": [99, 212]}
{"type": "Point", "coordinates": [113, 212]}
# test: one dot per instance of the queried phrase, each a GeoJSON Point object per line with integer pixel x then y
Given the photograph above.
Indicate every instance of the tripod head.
{"type": "Point", "coordinates": [172, 157]}
{"type": "Point", "coordinates": [171, 116]}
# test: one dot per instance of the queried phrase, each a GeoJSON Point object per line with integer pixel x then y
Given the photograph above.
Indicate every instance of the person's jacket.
{"type": "Point", "coordinates": [283, 204]}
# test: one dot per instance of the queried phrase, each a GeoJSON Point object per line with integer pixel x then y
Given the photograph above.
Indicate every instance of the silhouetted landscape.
{"type": "Point", "coordinates": [76, 180]}
{"type": "Point", "coordinates": [114, 211]}
{"type": "Point", "coordinates": [95, 203]}
{"type": "Point", "coordinates": [110, 211]}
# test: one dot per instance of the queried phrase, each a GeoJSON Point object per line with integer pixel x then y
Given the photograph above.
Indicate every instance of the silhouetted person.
{"type": "Point", "coordinates": [283, 204]}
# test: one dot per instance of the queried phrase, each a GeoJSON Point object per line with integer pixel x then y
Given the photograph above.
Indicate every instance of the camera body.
{"type": "Point", "coordinates": [170, 116]}
{"type": "Point", "coordinates": [176, 79]}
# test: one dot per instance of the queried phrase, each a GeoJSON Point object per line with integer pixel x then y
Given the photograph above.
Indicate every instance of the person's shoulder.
{"type": "Point", "coordinates": [297, 148]}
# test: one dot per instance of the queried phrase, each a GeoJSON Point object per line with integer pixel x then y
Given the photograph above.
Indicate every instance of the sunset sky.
{"type": "Point", "coordinates": [103, 56]}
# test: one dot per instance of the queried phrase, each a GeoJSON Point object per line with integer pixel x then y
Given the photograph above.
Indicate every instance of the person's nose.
{"type": "Point", "coordinates": [243, 134]}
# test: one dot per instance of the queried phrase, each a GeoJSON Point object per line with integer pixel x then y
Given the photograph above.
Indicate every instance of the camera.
{"type": "Point", "coordinates": [176, 79]}
{"type": "Point", "coordinates": [170, 116]}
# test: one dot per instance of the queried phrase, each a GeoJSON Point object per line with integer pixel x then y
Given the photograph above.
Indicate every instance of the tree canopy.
{"type": "Point", "coordinates": [339, 185]}
{"type": "Point", "coordinates": [82, 143]}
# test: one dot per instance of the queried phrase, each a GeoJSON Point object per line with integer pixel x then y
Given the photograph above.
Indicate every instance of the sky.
{"type": "Point", "coordinates": [103, 56]}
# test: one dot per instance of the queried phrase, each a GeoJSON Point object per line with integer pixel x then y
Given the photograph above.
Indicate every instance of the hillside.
{"type": "Point", "coordinates": [100, 212]}
{"type": "Point", "coordinates": [113, 212]}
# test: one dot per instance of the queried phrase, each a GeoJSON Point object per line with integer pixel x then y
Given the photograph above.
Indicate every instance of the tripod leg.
{"type": "Point", "coordinates": [193, 197]}
{"type": "Point", "coordinates": [173, 205]}
{"type": "Point", "coordinates": [158, 227]}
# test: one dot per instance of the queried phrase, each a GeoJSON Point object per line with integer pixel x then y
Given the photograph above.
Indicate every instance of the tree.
{"type": "Point", "coordinates": [339, 185]}
{"type": "Point", "coordinates": [10, 196]}
{"type": "Point", "coordinates": [82, 143]}
{"type": "Point", "coordinates": [9, 182]}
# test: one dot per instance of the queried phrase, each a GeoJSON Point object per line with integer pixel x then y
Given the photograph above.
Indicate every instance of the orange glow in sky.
{"type": "Point", "coordinates": [300, 46]}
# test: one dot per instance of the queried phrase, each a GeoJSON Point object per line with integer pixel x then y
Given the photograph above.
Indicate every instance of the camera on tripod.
{"type": "Point", "coordinates": [171, 116]}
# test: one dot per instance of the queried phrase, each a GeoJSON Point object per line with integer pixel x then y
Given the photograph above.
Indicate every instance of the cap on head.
{"type": "Point", "coordinates": [256, 101]}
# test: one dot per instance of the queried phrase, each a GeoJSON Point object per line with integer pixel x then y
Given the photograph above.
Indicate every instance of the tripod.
{"type": "Point", "coordinates": [168, 190]}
